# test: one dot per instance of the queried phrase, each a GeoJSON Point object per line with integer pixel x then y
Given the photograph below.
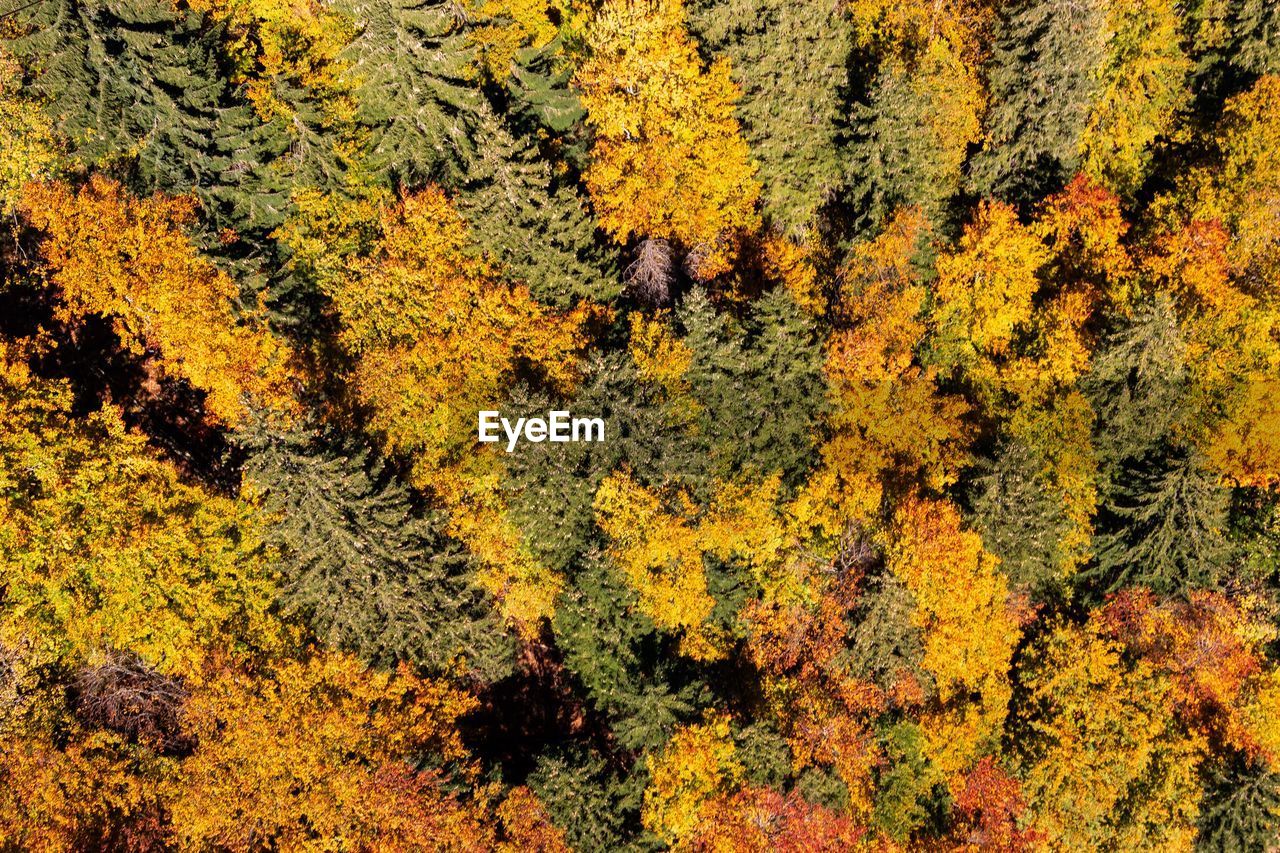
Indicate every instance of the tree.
{"type": "Point", "coordinates": [1241, 809]}
{"type": "Point", "coordinates": [102, 545]}
{"type": "Point", "coordinates": [28, 148]}
{"type": "Point", "coordinates": [135, 88]}
{"type": "Point", "coordinates": [132, 260]}
{"type": "Point", "coordinates": [789, 61]}
{"type": "Point", "coordinates": [435, 336]}
{"type": "Point", "coordinates": [325, 746]}
{"type": "Point", "coordinates": [1079, 87]}
{"type": "Point", "coordinates": [365, 569]}
{"type": "Point", "coordinates": [1103, 758]}
{"type": "Point", "coordinates": [969, 628]}
{"type": "Point", "coordinates": [696, 765]}
{"type": "Point", "coordinates": [669, 162]}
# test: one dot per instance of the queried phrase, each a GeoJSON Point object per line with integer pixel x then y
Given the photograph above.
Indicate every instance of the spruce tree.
{"type": "Point", "coordinates": [1044, 77]}
{"type": "Point", "coordinates": [1241, 809]}
{"type": "Point", "coordinates": [789, 60]}
{"type": "Point", "coordinates": [535, 224]}
{"type": "Point", "coordinates": [366, 569]}
{"type": "Point", "coordinates": [758, 385]}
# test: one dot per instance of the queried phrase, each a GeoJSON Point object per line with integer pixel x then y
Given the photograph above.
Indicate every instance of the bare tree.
{"type": "Point", "coordinates": [649, 276]}
{"type": "Point", "coordinates": [126, 695]}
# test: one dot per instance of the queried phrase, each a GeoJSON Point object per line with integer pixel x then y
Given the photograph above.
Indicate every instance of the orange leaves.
{"type": "Point", "coordinates": [314, 753]}
{"type": "Point", "coordinates": [1213, 648]}
{"type": "Point", "coordinates": [131, 260]}
{"type": "Point", "coordinates": [962, 604]}
{"type": "Point", "coordinates": [669, 161]}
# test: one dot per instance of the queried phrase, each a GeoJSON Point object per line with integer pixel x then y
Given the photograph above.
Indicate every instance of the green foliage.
{"type": "Point", "coordinates": [789, 59]}
{"type": "Point", "coordinates": [758, 385]}
{"type": "Point", "coordinates": [535, 225]}
{"type": "Point", "coordinates": [415, 88]}
{"type": "Point", "coordinates": [1044, 77]}
{"type": "Point", "coordinates": [1020, 519]}
{"type": "Point", "coordinates": [910, 790]}
{"type": "Point", "coordinates": [367, 571]}
{"type": "Point", "coordinates": [616, 652]}
{"type": "Point", "coordinates": [884, 643]}
{"type": "Point", "coordinates": [1163, 526]}
{"type": "Point", "coordinates": [583, 796]}
{"type": "Point", "coordinates": [1241, 810]}
{"type": "Point", "coordinates": [137, 86]}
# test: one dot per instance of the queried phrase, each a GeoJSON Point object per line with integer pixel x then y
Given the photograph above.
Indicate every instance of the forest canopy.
{"type": "Point", "coordinates": [936, 349]}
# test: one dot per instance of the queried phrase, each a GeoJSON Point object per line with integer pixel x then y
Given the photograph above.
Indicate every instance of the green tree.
{"type": "Point", "coordinates": [789, 60]}
{"type": "Point", "coordinates": [366, 570]}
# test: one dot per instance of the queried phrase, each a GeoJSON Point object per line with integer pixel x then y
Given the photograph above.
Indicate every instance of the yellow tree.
{"type": "Point", "coordinates": [131, 260]}
{"type": "Point", "coordinates": [1144, 85]}
{"type": "Point", "coordinates": [669, 161]}
{"type": "Point", "coordinates": [970, 628]}
{"type": "Point", "coordinates": [1104, 760]}
{"type": "Point", "coordinates": [660, 550]}
{"type": "Point", "coordinates": [436, 337]}
{"type": "Point", "coordinates": [28, 150]}
{"type": "Point", "coordinates": [103, 546]}
{"type": "Point", "coordinates": [316, 755]}
{"type": "Point", "coordinates": [697, 765]}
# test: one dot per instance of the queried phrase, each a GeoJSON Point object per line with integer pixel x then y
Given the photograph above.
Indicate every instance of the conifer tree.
{"type": "Point", "coordinates": [789, 60]}
{"type": "Point", "coordinates": [365, 569]}
{"type": "Point", "coordinates": [136, 86]}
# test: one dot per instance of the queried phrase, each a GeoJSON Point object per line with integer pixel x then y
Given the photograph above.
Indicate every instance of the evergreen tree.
{"type": "Point", "coordinates": [415, 87]}
{"type": "Point", "coordinates": [366, 570]}
{"type": "Point", "coordinates": [1241, 809]}
{"type": "Point", "coordinates": [1044, 78]}
{"type": "Point", "coordinates": [758, 385]}
{"type": "Point", "coordinates": [789, 60]}
{"type": "Point", "coordinates": [1232, 42]}
{"type": "Point", "coordinates": [1163, 526]}
{"type": "Point", "coordinates": [1020, 518]}
{"type": "Point", "coordinates": [629, 671]}
{"type": "Point", "coordinates": [137, 88]}
{"type": "Point", "coordinates": [536, 225]}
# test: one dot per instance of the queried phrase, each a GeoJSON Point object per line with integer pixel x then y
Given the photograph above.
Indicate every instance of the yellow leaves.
{"type": "Point", "coordinates": [312, 757]}
{"type": "Point", "coordinates": [962, 605]}
{"type": "Point", "coordinates": [661, 550]}
{"type": "Point", "coordinates": [1144, 85]}
{"type": "Point", "coordinates": [669, 161]}
{"type": "Point", "coordinates": [294, 41]}
{"type": "Point", "coordinates": [28, 148]}
{"type": "Point", "coordinates": [437, 337]}
{"type": "Point", "coordinates": [659, 355]}
{"type": "Point", "coordinates": [505, 27]}
{"type": "Point", "coordinates": [886, 412]}
{"type": "Point", "coordinates": [131, 260]}
{"type": "Point", "coordinates": [101, 545]}
{"type": "Point", "coordinates": [985, 288]}
{"type": "Point", "coordinates": [1104, 758]}
{"type": "Point", "coordinates": [901, 28]}
{"type": "Point", "coordinates": [698, 764]}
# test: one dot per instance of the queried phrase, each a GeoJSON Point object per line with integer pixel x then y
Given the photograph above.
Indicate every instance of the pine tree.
{"type": "Point", "coordinates": [758, 385]}
{"type": "Point", "coordinates": [789, 60]}
{"type": "Point", "coordinates": [136, 86]}
{"type": "Point", "coordinates": [535, 225]}
{"type": "Point", "coordinates": [368, 571]}
{"type": "Point", "coordinates": [1044, 78]}
{"type": "Point", "coordinates": [1163, 527]}
{"type": "Point", "coordinates": [1241, 810]}
{"type": "Point", "coordinates": [415, 87]}
{"type": "Point", "coordinates": [1020, 518]}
